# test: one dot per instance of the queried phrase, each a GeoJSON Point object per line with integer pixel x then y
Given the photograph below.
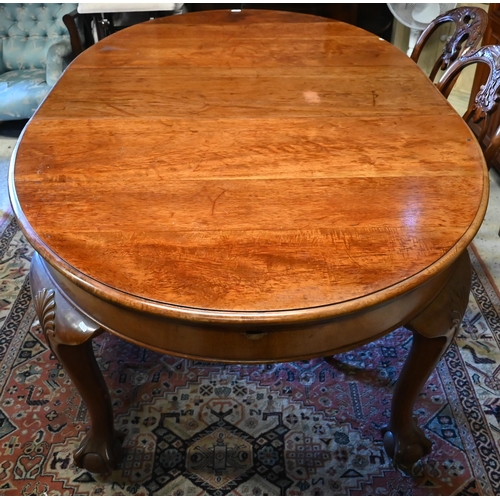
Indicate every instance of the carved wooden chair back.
{"type": "Point", "coordinates": [470, 25]}
{"type": "Point", "coordinates": [478, 115]}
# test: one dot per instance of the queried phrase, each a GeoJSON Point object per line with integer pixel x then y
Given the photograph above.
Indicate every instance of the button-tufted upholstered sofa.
{"type": "Point", "coordinates": [34, 50]}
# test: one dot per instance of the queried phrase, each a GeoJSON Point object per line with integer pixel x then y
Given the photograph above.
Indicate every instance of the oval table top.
{"type": "Point", "coordinates": [247, 161]}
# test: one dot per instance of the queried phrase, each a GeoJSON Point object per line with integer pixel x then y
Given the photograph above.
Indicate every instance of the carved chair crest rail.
{"type": "Point", "coordinates": [470, 25]}
{"type": "Point", "coordinates": [479, 113]}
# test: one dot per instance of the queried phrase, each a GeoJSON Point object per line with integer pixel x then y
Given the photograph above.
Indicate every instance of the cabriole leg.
{"type": "Point", "coordinates": [433, 330]}
{"type": "Point", "coordinates": [69, 335]}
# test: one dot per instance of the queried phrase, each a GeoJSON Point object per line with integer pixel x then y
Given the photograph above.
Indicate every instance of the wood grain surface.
{"type": "Point", "coordinates": [252, 161]}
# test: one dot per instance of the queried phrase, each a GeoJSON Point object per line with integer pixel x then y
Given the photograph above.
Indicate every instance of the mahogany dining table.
{"type": "Point", "coordinates": [247, 187]}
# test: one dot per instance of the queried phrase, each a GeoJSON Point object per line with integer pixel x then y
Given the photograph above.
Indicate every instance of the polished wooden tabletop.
{"type": "Point", "coordinates": [247, 161]}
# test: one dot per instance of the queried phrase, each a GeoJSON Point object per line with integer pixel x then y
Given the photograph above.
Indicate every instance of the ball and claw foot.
{"type": "Point", "coordinates": [406, 448]}
{"type": "Point", "coordinates": [98, 455]}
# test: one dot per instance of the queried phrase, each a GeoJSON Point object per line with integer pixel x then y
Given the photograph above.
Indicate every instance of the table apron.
{"type": "Point", "coordinates": [235, 341]}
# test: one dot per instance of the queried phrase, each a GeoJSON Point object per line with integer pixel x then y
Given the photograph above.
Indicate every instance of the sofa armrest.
{"type": "Point", "coordinates": [57, 60]}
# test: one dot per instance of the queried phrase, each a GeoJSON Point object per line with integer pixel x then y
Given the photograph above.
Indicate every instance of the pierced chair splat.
{"type": "Point", "coordinates": [479, 114]}
{"type": "Point", "coordinates": [470, 25]}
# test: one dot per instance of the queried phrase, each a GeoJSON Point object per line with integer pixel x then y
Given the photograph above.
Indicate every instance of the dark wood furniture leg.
{"type": "Point", "coordinates": [69, 335]}
{"type": "Point", "coordinates": [433, 330]}
{"type": "Point", "coordinates": [100, 451]}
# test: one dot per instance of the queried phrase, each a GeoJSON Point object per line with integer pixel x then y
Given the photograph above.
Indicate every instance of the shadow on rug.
{"type": "Point", "coordinates": [302, 428]}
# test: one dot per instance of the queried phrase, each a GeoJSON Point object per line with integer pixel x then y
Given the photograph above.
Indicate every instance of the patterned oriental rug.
{"type": "Point", "coordinates": [302, 428]}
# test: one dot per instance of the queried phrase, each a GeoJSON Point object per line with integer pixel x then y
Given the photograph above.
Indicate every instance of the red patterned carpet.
{"type": "Point", "coordinates": [303, 428]}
